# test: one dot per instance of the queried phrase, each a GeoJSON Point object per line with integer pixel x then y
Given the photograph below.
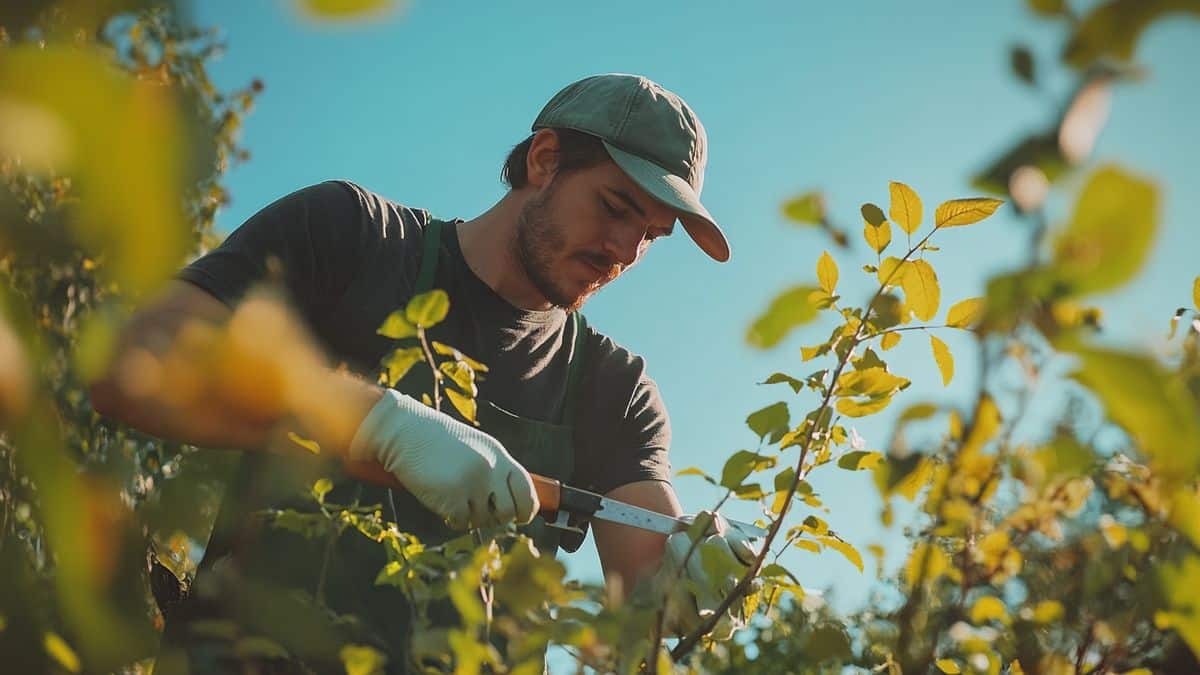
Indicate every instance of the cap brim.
{"type": "Point", "coordinates": [675, 192]}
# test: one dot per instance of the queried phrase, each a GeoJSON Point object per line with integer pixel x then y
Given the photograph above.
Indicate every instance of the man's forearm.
{"type": "Point", "coordinates": [329, 413]}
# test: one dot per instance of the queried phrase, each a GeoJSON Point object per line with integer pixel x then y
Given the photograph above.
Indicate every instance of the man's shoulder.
{"type": "Point", "coordinates": [614, 364]}
{"type": "Point", "coordinates": [388, 217]}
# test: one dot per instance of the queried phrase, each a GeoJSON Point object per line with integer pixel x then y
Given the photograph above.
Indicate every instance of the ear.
{"type": "Point", "coordinates": [542, 160]}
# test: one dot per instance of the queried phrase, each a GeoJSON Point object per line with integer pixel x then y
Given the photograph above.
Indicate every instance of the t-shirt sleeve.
{"type": "Point", "coordinates": [628, 434]}
{"type": "Point", "coordinates": [314, 234]}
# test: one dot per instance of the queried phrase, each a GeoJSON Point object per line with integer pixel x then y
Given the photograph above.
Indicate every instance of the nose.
{"type": "Point", "coordinates": [624, 243]}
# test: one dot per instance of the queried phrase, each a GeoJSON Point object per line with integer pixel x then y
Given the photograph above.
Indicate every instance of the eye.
{"type": "Point", "coordinates": [612, 211]}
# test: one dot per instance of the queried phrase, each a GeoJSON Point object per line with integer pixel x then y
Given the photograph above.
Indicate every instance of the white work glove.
{"type": "Point", "coordinates": [455, 470]}
{"type": "Point", "coordinates": [696, 588]}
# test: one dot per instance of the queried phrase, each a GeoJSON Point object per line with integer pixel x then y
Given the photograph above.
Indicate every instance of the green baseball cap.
{"type": "Point", "coordinates": [652, 135]}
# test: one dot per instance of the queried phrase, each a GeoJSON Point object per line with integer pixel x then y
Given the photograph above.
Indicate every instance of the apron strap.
{"type": "Point", "coordinates": [575, 369]}
{"type": "Point", "coordinates": [429, 257]}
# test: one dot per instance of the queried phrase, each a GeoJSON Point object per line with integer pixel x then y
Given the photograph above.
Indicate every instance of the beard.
{"type": "Point", "coordinates": [540, 243]}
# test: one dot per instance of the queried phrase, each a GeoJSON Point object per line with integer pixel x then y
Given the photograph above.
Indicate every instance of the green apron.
{"type": "Point", "coordinates": [284, 560]}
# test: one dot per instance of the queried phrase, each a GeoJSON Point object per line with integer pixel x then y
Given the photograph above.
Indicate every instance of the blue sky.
{"type": "Point", "coordinates": [423, 105]}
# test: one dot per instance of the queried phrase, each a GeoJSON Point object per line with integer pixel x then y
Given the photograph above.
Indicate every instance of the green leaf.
{"type": "Point", "coordinates": [958, 212]}
{"type": "Point", "coordinates": [806, 209]}
{"type": "Point", "coordinates": [60, 652]}
{"type": "Point", "coordinates": [878, 236]}
{"type": "Point", "coordinates": [860, 459]}
{"type": "Point", "coordinates": [949, 666]}
{"type": "Point", "coordinates": [1111, 30]}
{"type": "Point", "coordinates": [772, 421]}
{"type": "Point", "coordinates": [307, 525]}
{"type": "Point", "coordinates": [777, 378]}
{"type": "Point", "coordinates": [692, 471]}
{"type": "Point", "coordinates": [428, 309]}
{"type": "Point", "coordinates": [465, 405]}
{"type": "Point", "coordinates": [787, 311]}
{"type": "Point", "coordinates": [1048, 7]}
{"type": "Point", "coordinates": [921, 291]}
{"type": "Point", "coordinates": [873, 214]}
{"type": "Point", "coordinates": [399, 362]}
{"type": "Point", "coordinates": [1021, 61]}
{"type": "Point", "coordinates": [396, 326]}
{"type": "Point", "coordinates": [965, 313]}
{"type": "Point", "coordinates": [740, 465]}
{"type": "Point", "coordinates": [1151, 405]}
{"type": "Point", "coordinates": [845, 549]}
{"type": "Point", "coordinates": [906, 207]}
{"type": "Point", "coordinates": [918, 411]}
{"type": "Point", "coordinates": [749, 491]}
{"type": "Point", "coordinates": [827, 272]}
{"type": "Point", "coordinates": [869, 382]}
{"type": "Point", "coordinates": [1110, 234]}
{"type": "Point", "coordinates": [943, 357]}
{"type": "Point", "coordinates": [362, 660]}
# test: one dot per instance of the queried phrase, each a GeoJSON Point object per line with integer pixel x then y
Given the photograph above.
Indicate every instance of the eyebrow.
{"type": "Point", "coordinates": [629, 201]}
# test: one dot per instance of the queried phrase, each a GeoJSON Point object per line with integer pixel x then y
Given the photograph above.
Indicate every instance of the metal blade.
{"type": "Point", "coordinates": [627, 514]}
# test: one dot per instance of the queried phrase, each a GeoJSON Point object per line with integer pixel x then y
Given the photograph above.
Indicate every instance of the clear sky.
{"type": "Point", "coordinates": [423, 105]}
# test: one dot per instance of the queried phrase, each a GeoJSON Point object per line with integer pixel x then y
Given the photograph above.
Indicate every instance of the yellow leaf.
{"type": "Point", "coordinates": [891, 271]}
{"type": "Point", "coordinates": [957, 212]}
{"type": "Point", "coordinates": [464, 404]}
{"type": "Point", "coordinates": [983, 427]}
{"type": "Point", "coordinates": [1047, 611]}
{"type": "Point", "coordinates": [345, 9]}
{"type": "Point", "coordinates": [845, 549]}
{"type": "Point", "coordinates": [878, 237]}
{"type": "Point", "coordinates": [965, 313]}
{"type": "Point", "coordinates": [396, 326]}
{"type": "Point", "coordinates": [1015, 668]}
{"type": "Point", "coordinates": [989, 608]}
{"type": "Point", "coordinates": [808, 545]}
{"type": "Point", "coordinates": [61, 652]}
{"type": "Point", "coordinates": [827, 272]}
{"type": "Point", "coordinates": [906, 207]}
{"type": "Point", "coordinates": [873, 381]}
{"type": "Point", "coordinates": [308, 445]}
{"type": "Point", "coordinates": [949, 666]}
{"type": "Point", "coordinates": [943, 357]}
{"type": "Point", "coordinates": [1196, 292]}
{"type": "Point", "coordinates": [910, 485]}
{"type": "Point", "coordinates": [362, 660]}
{"type": "Point", "coordinates": [428, 309]}
{"type": "Point", "coordinates": [921, 291]}
{"type": "Point", "coordinates": [928, 563]}
{"type": "Point", "coordinates": [889, 340]}
{"type": "Point", "coordinates": [397, 364]}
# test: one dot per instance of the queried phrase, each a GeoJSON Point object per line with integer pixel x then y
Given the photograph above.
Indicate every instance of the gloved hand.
{"type": "Point", "coordinates": [695, 588]}
{"type": "Point", "coordinates": [455, 470]}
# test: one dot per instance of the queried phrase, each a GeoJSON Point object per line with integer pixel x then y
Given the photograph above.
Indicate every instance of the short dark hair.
{"type": "Point", "coordinates": [576, 150]}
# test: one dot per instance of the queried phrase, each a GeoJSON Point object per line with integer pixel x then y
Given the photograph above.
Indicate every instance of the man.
{"type": "Point", "coordinates": [614, 161]}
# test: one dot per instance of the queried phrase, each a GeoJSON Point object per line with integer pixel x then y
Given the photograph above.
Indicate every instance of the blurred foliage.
{"type": "Point", "coordinates": [1070, 550]}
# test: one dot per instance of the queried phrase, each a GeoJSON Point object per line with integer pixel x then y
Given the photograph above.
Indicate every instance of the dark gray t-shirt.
{"type": "Point", "coordinates": [350, 257]}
